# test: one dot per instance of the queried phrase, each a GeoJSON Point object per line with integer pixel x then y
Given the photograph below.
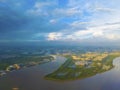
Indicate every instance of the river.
{"type": "Point", "coordinates": [32, 79]}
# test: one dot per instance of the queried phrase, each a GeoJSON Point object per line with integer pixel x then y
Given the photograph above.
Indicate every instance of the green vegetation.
{"type": "Point", "coordinates": [70, 71]}
{"type": "Point", "coordinates": [3, 65]}
{"type": "Point", "coordinates": [25, 60]}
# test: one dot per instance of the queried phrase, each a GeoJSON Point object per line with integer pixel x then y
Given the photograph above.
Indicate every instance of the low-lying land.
{"type": "Point", "coordinates": [16, 63]}
{"type": "Point", "coordinates": [83, 65]}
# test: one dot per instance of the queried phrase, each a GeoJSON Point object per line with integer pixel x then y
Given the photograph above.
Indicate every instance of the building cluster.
{"type": "Point", "coordinates": [100, 57]}
{"type": "Point", "coordinates": [13, 67]}
{"type": "Point", "coordinates": [10, 68]}
{"type": "Point", "coordinates": [88, 58]}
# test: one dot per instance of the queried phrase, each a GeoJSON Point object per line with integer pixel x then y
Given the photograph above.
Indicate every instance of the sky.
{"type": "Point", "coordinates": [80, 21]}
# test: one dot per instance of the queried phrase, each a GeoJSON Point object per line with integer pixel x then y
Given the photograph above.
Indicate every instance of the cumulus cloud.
{"type": "Point", "coordinates": [54, 36]}
{"type": "Point", "coordinates": [74, 20]}
{"type": "Point", "coordinates": [104, 32]}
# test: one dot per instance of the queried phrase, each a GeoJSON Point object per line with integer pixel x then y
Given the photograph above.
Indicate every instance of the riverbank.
{"type": "Point", "coordinates": [69, 71]}
{"type": "Point", "coordinates": [14, 64]}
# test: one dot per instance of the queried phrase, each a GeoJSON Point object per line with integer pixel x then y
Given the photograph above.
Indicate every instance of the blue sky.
{"type": "Point", "coordinates": [60, 20]}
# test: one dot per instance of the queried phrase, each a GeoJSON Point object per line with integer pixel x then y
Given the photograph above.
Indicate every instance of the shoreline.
{"type": "Point", "coordinates": [80, 78]}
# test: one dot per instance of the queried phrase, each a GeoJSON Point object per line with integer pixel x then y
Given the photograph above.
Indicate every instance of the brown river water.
{"type": "Point", "coordinates": [33, 79]}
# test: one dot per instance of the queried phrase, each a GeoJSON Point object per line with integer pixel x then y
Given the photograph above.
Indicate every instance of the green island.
{"type": "Point", "coordinates": [83, 66]}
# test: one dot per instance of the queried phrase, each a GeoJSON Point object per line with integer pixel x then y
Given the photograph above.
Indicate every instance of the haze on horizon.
{"type": "Point", "coordinates": [59, 21]}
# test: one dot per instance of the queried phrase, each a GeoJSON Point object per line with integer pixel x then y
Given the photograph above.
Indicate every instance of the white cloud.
{"type": "Point", "coordinates": [102, 9]}
{"type": "Point", "coordinates": [37, 12]}
{"type": "Point", "coordinates": [78, 23]}
{"type": "Point", "coordinates": [106, 32]}
{"type": "Point", "coordinates": [94, 20]}
{"type": "Point", "coordinates": [69, 11]}
{"type": "Point", "coordinates": [53, 21]}
{"type": "Point", "coordinates": [113, 36]}
{"type": "Point", "coordinates": [98, 34]}
{"type": "Point", "coordinates": [54, 36]}
{"type": "Point", "coordinates": [40, 8]}
{"type": "Point", "coordinates": [41, 4]}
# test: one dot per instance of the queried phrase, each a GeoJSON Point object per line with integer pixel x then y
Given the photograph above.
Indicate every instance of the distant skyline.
{"type": "Point", "coordinates": [59, 21]}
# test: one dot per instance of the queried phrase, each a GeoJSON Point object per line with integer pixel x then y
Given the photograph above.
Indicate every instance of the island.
{"type": "Point", "coordinates": [79, 66]}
